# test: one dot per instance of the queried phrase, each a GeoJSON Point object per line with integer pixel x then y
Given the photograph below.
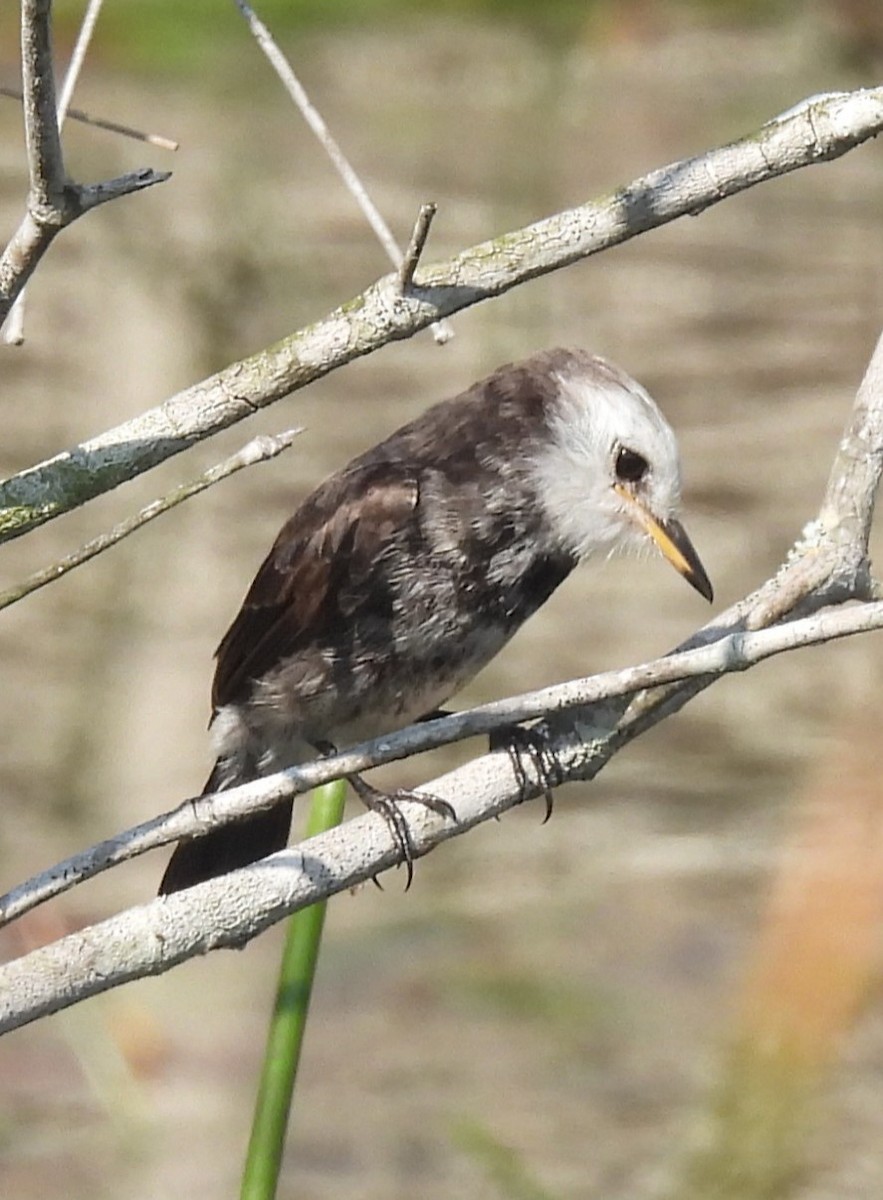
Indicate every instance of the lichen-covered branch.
{"type": "Point", "coordinates": [823, 127]}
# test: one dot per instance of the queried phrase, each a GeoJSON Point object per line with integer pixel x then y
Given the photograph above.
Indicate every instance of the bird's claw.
{"type": "Point", "coordinates": [528, 745]}
{"type": "Point", "coordinates": [386, 804]}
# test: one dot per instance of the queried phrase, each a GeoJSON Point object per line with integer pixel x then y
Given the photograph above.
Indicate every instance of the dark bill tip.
{"type": "Point", "coordinates": [674, 543]}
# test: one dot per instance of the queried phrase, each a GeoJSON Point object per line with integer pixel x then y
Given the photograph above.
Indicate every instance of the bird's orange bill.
{"type": "Point", "coordinates": [671, 538]}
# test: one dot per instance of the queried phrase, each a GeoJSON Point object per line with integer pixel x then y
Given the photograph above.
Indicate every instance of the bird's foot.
{"type": "Point", "coordinates": [387, 805]}
{"type": "Point", "coordinates": [528, 748]}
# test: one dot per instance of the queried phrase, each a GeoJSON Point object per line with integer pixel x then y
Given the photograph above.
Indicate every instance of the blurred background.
{"type": "Point", "coordinates": [673, 989]}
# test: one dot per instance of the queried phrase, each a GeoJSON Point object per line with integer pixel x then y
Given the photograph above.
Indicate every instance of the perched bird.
{"type": "Point", "coordinates": [404, 573]}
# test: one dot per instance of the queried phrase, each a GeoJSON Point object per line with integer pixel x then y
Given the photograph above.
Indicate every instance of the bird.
{"type": "Point", "coordinates": [405, 572]}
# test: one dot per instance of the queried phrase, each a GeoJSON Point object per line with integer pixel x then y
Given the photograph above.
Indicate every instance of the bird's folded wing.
{"type": "Point", "coordinates": [319, 570]}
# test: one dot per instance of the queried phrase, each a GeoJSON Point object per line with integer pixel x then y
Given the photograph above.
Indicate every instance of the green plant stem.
{"type": "Point", "coordinates": [286, 1033]}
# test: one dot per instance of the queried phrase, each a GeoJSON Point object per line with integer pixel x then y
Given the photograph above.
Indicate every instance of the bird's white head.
{"type": "Point", "coordinates": [608, 473]}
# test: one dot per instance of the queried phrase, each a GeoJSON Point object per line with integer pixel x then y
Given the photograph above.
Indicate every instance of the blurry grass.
{"type": "Point", "coordinates": [816, 959]}
{"type": "Point", "coordinates": [525, 996]}
{"type": "Point", "coordinates": [169, 36]}
{"type": "Point", "coordinates": [503, 1165]}
{"type": "Point", "coordinates": [753, 1141]}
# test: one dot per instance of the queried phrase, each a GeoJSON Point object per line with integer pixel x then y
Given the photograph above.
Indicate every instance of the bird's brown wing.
{"type": "Point", "coordinates": [318, 568]}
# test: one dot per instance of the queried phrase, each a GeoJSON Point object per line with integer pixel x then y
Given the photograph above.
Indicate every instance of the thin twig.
{"type": "Point", "coordinates": [77, 114]}
{"type": "Point", "coordinates": [260, 449]}
{"type": "Point", "coordinates": [78, 57]}
{"type": "Point", "coordinates": [442, 331]}
{"type": "Point", "coordinates": [416, 244]}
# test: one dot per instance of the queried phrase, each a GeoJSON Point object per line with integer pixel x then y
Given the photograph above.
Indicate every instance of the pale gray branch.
{"type": "Point", "coordinates": [728, 653]}
{"type": "Point", "coordinates": [15, 330]}
{"type": "Point", "coordinates": [42, 141]}
{"type": "Point", "coordinates": [233, 909]}
{"type": "Point", "coordinates": [822, 129]}
{"type": "Point", "coordinates": [46, 174]}
{"type": "Point", "coordinates": [848, 506]}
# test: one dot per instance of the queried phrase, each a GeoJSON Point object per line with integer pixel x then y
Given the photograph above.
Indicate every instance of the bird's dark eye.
{"type": "Point", "coordinates": [631, 467]}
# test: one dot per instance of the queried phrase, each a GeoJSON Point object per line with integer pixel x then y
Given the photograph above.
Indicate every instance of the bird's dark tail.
{"type": "Point", "coordinates": [234, 845]}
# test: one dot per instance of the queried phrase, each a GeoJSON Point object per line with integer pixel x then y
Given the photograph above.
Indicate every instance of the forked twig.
{"type": "Point", "coordinates": [54, 202]}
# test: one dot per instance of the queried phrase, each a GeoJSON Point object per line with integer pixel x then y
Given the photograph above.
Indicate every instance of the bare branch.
{"type": "Point", "coordinates": [852, 485]}
{"type": "Point", "coordinates": [15, 335]}
{"type": "Point", "coordinates": [195, 817]}
{"type": "Point", "coordinates": [42, 136]}
{"type": "Point", "coordinates": [93, 194]}
{"type": "Point", "coordinates": [260, 449]}
{"type": "Point", "coordinates": [824, 128]}
{"type": "Point", "coordinates": [231, 910]}
{"type": "Point", "coordinates": [45, 160]}
{"type": "Point", "coordinates": [280, 64]}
